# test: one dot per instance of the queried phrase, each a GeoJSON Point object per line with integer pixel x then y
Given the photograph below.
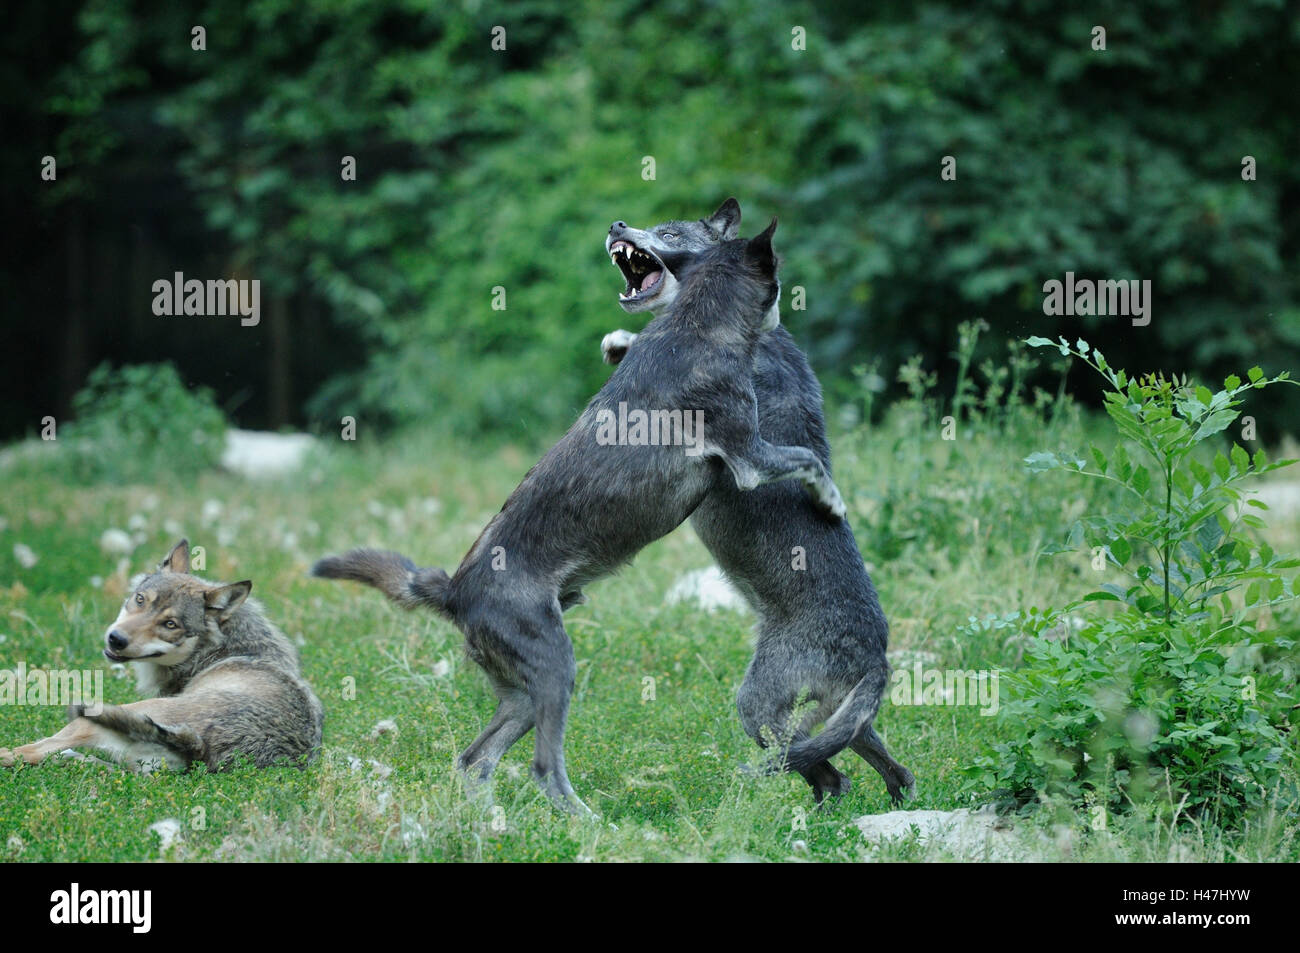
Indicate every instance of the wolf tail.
{"type": "Point", "coordinates": [392, 574]}
{"type": "Point", "coordinates": [135, 726]}
{"type": "Point", "coordinates": [856, 712]}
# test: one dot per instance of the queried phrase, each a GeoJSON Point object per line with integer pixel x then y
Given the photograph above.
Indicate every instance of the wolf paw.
{"type": "Point", "coordinates": [27, 754]}
{"type": "Point", "coordinates": [902, 789]}
{"type": "Point", "coordinates": [828, 499]}
{"type": "Point", "coordinates": [614, 345]}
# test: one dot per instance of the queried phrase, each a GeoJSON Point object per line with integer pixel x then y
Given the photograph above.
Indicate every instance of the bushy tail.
{"type": "Point", "coordinates": [137, 727]}
{"type": "Point", "coordinates": [856, 711]}
{"type": "Point", "coordinates": [392, 574]}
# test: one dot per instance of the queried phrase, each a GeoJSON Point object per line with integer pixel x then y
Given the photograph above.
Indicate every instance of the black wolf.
{"type": "Point", "coordinates": [821, 631]}
{"type": "Point", "coordinates": [602, 494]}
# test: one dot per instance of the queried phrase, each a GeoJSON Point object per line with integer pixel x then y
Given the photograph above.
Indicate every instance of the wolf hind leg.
{"type": "Point", "coordinates": [513, 719]}
{"type": "Point", "coordinates": [899, 781]}
{"type": "Point", "coordinates": [77, 733]}
{"type": "Point", "coordinates": [129, 734]}
{"type": "Point", "coordinates": [766, 703]}
{"type": "Point", "coordinates": [551, 672]}
{"type": "Point", "coordinates": [530, 660]}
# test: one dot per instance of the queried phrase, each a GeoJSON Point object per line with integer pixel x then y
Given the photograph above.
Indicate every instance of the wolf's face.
{"type": "Point", "coordinates": [654, 261]}
{"type": "Point", "coordinates": [169, 614]}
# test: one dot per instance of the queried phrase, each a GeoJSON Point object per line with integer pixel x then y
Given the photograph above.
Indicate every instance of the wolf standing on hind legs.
{"type": "Point", "coordinates": [226, 678]}
{"type": "Point", "coordinates": [821, 632]}
{"type": "Point", "coordinates": [591, 504]}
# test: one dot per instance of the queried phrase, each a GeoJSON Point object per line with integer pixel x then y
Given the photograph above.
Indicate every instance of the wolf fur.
{"type": "Point", "coordinates": [588, 507]}
{"type": "Point", "coordinates": [821, 633]}
{"type": "Point", "coordinates": [226, 680]}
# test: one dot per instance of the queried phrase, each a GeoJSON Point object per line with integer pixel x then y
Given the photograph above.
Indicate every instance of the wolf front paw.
{"type": "Point", "coordinates": [614, 345]}
{"type": "Point", "coordinates": [827, 497]}
{"type": "Point", "coordinates": [27, 754]}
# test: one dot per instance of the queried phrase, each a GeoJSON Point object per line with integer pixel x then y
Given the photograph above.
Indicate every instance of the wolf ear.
{"type": "Point", "coordinates": [726, 220]}
{"type": "Point", "coordinates": [178, 560]}
{"type": "Point", "coordinates": [226, 599]}
{"type": "Point", "coordinates": [760, 248]}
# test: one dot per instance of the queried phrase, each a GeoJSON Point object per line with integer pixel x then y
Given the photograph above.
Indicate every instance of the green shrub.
{"type": "Point", "coordinates": [1181, 698]}
{"type": "Point", "coordinates": [943, 480]}
{"type": "Point", "coordinates": [138, 424]}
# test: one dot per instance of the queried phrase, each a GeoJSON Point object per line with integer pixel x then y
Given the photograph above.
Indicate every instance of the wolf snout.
{"type": "Point", "coordinates": [117, 641]}
{"type": "Point", "coordinates": [617, 227]}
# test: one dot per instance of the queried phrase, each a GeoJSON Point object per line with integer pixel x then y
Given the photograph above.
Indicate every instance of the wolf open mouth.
{"type": "Point", "coordinates": [641, 269]}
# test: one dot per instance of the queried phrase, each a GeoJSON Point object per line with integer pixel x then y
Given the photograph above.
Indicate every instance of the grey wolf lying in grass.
{"type": "Point", "coordinates": [226, 679]}
{"type": "Point", "coordinates": [821, 631]}
{"type": "Point", "coordinates": [593, 502]}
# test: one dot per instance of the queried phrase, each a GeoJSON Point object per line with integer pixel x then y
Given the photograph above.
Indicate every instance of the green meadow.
{"type": "Point", "coordinates": [953, 530]}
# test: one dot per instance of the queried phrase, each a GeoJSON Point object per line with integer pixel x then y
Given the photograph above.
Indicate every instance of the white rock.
{"type": "Point", "coordinates": [256, 453]}
{"type": "Point", "coordinates": [116, 542]}
{"type": "Point", "coordinates": [26, 558]}
{"type": "Point", "coordinates": [708, 587]}
{"type": "Point", "coordinates": [168, 831]}
{"type": "Point", "coordinates": [965, 834]}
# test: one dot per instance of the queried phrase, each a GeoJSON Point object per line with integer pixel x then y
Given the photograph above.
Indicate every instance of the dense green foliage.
{"type": "Point", "coordinates": [134, 424]}
{"type": "Point", "coordinates": [480, 168]}
{"type": "Point", "coordinates": [1183, 698]}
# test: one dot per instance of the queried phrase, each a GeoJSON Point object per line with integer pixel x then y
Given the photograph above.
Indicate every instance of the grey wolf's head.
{"type": "Point", "coordinates": [169, 614]}
{"type": "Point", "coordinates": [653, 261]}
{"type": "Point", "coordinates": [734, 284]}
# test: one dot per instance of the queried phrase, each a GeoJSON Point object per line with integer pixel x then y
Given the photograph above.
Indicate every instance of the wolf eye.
{"type": "Point", "coordinates": [668, 236]}
{"type": "Point", "coordinates": [139, 599]}
{"type": "Point", "coordinates": [171, 624]}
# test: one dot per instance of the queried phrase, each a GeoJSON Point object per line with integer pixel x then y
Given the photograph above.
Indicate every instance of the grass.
{"type": "Point", "coordinates": [951, 530]}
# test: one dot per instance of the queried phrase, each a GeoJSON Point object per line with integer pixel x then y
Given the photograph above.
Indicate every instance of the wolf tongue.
{"type": "Point", "coordinates": [650, 281]}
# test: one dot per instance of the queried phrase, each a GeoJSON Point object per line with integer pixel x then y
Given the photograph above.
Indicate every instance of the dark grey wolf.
{"type": "Point", "coordinates": [590, 506]}
{"type": "Point", "coordinates": [821, 632]}
{"type": "Point", "coordinates": [227, 681]}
